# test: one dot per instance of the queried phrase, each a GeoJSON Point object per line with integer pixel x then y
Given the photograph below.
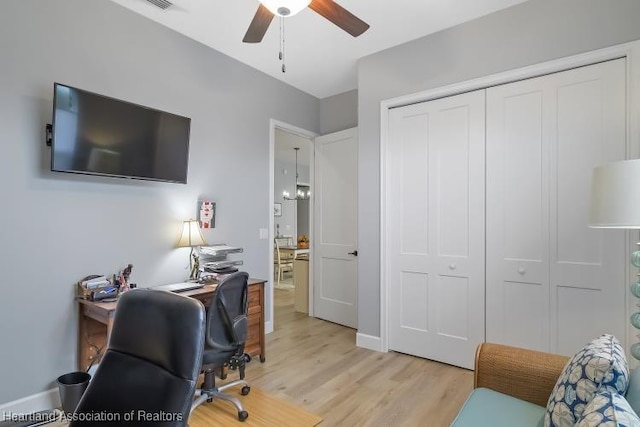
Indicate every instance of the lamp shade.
{"type": "Point", "coordinates": [191, 235]}
{"type": "Point", "coordinates": [285, 7]}
{"type": "Point", "coordinates": [615, 195]}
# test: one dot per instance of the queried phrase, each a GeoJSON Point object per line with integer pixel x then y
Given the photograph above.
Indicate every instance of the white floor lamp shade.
{"type": "Point", "coordinates": [615, 195]}
{"type": "Point", "coordinates": [615, 203]}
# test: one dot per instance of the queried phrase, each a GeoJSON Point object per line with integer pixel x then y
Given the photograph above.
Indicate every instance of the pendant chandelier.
{"type": "Point", "coordinates": [300, 194]}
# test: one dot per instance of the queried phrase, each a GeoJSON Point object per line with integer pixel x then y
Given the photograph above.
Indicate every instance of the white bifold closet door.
{"type": "Point", "coordinates": [434, 216]}
{"type": "Point", "coordinates": [553, 284]}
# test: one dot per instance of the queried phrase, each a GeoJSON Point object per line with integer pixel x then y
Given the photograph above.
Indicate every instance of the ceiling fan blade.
{"type": "Point", "coordinates": [340, 16]}
{"type": "Point", "coordinates": [259, 25]}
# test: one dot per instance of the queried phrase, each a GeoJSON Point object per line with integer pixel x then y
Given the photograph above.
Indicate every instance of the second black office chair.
{"type": "Point", "coordinates": [227, 328]}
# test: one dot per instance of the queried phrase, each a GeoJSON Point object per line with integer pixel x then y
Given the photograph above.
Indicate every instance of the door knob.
{"type": "Point", "coordinates": [354, 253]}
{"type": "Point", "coordinates": [521, 270]}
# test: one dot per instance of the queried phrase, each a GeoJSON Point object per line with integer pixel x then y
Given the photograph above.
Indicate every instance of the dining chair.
{"type": "Point", "coordinates": [283, 261]}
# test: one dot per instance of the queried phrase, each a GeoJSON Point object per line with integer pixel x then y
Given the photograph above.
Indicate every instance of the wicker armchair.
{"type": "Point", "coordinates": [525, 374]}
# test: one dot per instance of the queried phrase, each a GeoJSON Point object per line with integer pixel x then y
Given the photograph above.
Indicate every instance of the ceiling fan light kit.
{"type": "Point", "coordinates": [328, 9]}
{"type": "Point", "coordinates": [285, 7]}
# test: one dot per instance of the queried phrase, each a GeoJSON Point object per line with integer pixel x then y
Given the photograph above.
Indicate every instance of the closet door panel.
{"type": "Point", "coordinates": [434, 194]}
{"type": "Point", "coordinates": [587, 265]}
{"type": "Point", "coordinates": [450, 165]}
{"type": "Point", "coordinates": [521, 302]}
{"type": "Point", "coordinates": [409, 238]}
{"type": "Point", "coordinates": [544, 137]}
{"type": "Point", "coordinates": [517, 216]}
{"type": "Point", "coordinates": [413, 186]}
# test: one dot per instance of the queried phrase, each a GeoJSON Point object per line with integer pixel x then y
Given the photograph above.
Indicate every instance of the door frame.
{"type": "Point", "coordinates": [630, 51]}
{"type": "Point", "coordinates": [286, 127]}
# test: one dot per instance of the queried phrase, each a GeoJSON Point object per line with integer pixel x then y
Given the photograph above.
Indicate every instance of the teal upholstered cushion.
{"type": "Point", "coordinates": [633, 391]}
{"type": "Point", "coordinates": [488, 408]}
{"type": "Point", "coordinates": [599, 363]}
{"type": "Point", "coordinates": [608, 409]}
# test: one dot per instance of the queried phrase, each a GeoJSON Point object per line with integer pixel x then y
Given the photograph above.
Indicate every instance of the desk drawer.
{"type": "Point", "coordinates": [255, 304]}
{"type": "Point", "coordinates": [253, 332]}
{"type": "Point", "coordinates": [254, 296]}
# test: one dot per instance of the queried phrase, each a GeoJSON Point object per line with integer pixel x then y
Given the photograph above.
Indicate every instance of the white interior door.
{"type": "Point", "coordinates": [335, 228]}
{"type": "Point", "coordinates": [553, 284]}
{"type": "Point", "coordinates": [434, 198]}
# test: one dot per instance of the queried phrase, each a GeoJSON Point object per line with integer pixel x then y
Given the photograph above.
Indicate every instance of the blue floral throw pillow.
{"type": "Point", "coordinates": [599, 363]}
{"type": "Point", "coordinates": [608, 408]}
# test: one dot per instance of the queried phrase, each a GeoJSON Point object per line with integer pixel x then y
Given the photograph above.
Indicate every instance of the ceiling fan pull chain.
{"type": "Point", "coordinates": [284, 68]}
{"type": "Point", "coordinates": [280, 53]}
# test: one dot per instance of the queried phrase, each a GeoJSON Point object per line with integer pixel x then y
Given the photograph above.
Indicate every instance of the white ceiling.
{"type": "Point", "coordinates": [320, 57]}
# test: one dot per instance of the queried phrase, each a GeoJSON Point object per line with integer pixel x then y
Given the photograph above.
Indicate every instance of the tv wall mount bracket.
{"type": "Point", "coordinates": [48, 134]}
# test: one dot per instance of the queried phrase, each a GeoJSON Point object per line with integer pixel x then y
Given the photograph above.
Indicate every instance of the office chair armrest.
{"type": "Point", "coordinates": [526, 374]}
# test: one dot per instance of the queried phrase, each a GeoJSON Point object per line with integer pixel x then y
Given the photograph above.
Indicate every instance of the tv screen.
{"type": "Point", "coordinates": [98, 135]}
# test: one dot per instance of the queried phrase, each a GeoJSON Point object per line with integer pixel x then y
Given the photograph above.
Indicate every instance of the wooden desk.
{"type": "Point", "coordinates": [96, 320]}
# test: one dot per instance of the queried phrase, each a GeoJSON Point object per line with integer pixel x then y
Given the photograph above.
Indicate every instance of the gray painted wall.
{"type": "Point", "coordinates": [57, 228]}
{"type": "Point", "coordinates": [339, 112]}
{"type": "Point", "coordinates": [526, 34]}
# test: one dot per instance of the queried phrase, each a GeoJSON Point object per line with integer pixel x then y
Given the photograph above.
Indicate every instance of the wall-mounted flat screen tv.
{"type": "Point", "coordinates": [98, 135]}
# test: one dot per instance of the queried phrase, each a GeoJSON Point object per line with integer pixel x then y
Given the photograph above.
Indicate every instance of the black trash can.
{"type": "Point", "coordinates": [71, 387]}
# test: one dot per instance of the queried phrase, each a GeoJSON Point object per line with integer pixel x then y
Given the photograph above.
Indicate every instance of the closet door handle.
{"type": "Point", "coordinates": [521, 271]}
{"type": "Point", "coordinates": [354, 253]}
{"type": "Point", "coordinates": [452, 266]}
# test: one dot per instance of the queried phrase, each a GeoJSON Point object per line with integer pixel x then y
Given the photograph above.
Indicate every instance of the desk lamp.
{"type": "Point", "coordinates": [615, 203]}
{"type": "Point", "coordinates": [190, 238]}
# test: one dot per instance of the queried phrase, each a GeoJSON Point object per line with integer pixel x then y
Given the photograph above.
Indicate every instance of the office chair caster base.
{"type": "Point", "coordinates": [245, 390]}
{"type": "Point", "coordinates": [243, 415]}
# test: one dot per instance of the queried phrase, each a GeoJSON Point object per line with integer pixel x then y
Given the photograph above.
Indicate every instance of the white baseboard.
{"type": "Point", "coordinates": [42, 401]}
{"type": "Point", "coordinates": [368, 341]}
{"type": "Point", "coordinates": [268, 327]}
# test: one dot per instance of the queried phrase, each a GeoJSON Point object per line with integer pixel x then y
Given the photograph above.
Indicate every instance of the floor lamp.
{"type": "Point", "coordinates": [615, 203]}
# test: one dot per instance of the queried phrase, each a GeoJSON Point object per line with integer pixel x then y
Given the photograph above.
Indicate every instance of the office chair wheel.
{"type": "Point", "coordinates": [243, 415]}
{"type": "Point", "coordinates": [245, 390]}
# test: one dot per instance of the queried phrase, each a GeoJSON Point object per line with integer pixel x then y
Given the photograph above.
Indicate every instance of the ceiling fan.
{"type": "Point", "coordinates": [285, 8]}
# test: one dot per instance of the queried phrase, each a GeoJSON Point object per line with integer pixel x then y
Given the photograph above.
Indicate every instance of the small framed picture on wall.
{"type": "Point", "coordinates": [206, 213]}
{"type": "Point", "coordinates": [277, 209]}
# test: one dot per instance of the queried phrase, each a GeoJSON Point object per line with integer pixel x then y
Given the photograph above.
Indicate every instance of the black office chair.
{"type": "Point", "coordinates": [227, 326]}
{"type": "Point", "coordinates": [149, 372]}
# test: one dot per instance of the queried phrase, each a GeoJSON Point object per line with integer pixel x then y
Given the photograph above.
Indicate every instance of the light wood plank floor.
{"type": "Point", "coordinates": [316, 365]}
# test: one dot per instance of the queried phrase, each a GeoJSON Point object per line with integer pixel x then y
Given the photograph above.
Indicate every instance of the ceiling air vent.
{"type": "Point", "coordinates": [162, 4]}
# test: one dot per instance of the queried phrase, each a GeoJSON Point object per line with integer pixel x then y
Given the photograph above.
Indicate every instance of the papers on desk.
{"type": "Point", "coordinates": [214, 261]}
{"type": "Point", "coordinates": [178, 287]}
{"type": "Point", "coordinates": [216, 266]}
{"type": "Point", "coordinates": [95, 282]}
{"type": "Point", "coordinates": [221, 249]}
{"type": "Point", "coordinates": [93, 285]}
